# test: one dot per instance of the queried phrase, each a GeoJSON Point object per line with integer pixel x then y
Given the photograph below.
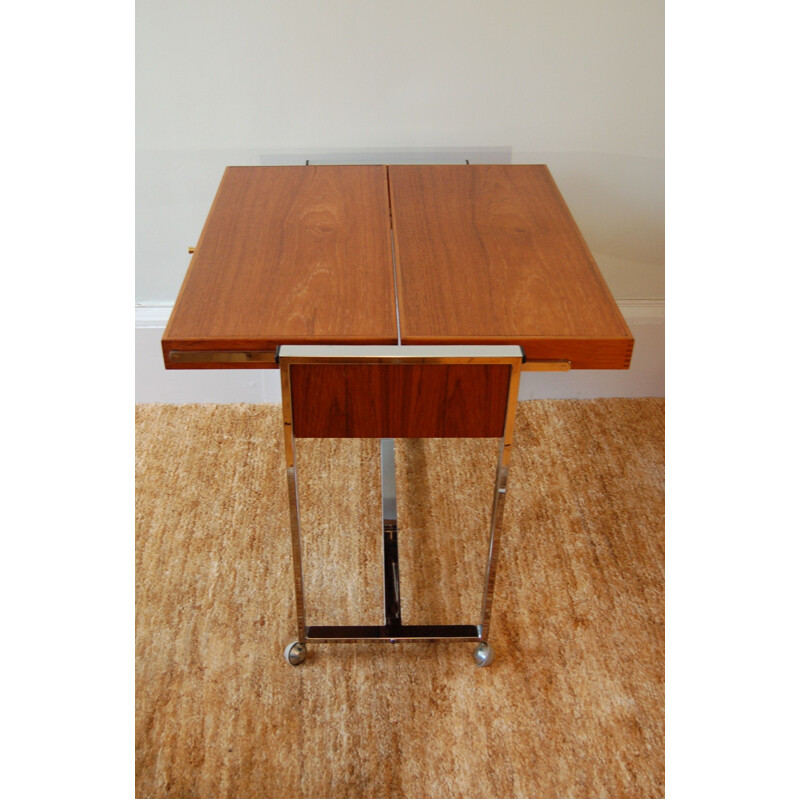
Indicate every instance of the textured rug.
{"type": "Point", "coordinates": [573, 705]}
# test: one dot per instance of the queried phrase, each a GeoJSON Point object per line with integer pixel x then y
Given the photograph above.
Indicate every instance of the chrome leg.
{"type": "Point", "coordinates": [391, 563]}
{"type": "Point", "coordinates": [496, 528]}
{"type": "Point", "coordinates": [294, 510]}
{"type": "Point", "coordinates": [388, 484]}
{"type": "Point", "coordinates": [297, 554]}
{"type": "Point", "coordinates": [498, 504]}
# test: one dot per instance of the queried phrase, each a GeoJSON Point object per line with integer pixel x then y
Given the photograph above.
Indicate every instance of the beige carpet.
{"type": "Point", "coordinates": [573, 705]}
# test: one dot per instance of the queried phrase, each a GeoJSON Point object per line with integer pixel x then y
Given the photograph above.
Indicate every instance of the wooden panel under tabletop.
{"type": "Point", "coordinates": [489, 254]}
{"type": "Point", "coordinates": [287, 255]}
{"type": "Point", "coordinates": [399, 400]}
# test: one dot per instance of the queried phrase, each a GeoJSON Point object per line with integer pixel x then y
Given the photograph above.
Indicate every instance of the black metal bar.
{"type": "Point", "coordinates": [391, 574]}
{"type": "Point", "coordinates": [368, 632]}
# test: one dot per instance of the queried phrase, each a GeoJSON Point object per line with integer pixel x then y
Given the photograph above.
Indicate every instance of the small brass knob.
{"type": "Point", "coordinates": [191, 250]}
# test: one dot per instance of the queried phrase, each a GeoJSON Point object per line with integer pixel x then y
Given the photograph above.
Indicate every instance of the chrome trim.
{"type": "Point", "coordinates": [393, 629]}
{"type": "Point", "coordinates": [221, 356]}
{"type": "Point", "coordinates": [467, 354]}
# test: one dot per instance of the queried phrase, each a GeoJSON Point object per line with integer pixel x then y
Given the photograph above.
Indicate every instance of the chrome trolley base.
{"type": "Point", "coordinates": [393, 630]}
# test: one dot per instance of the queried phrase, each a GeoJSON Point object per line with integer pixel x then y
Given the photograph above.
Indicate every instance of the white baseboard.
{"type": "Point", "coordinates": [155, 384]}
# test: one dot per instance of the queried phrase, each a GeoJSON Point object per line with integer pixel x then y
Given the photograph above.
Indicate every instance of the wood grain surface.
{"type": "Point", "coordinates": [399, 400]}
{"type": "Point", "coordinates": [289, 254]}
{"type": "Point", "coordinates": [491, 254]}
{"type": "Point", "coordinates": [483, 254]}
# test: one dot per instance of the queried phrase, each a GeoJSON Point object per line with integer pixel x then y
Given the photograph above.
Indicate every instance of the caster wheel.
{"type": "Point", "coordinates": [484, 654]}
{"type": "Point", "coordinates": [295, 653]}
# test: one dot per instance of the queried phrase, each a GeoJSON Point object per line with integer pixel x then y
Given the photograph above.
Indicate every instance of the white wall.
{"type": "Point", "coordinates": [575, 84]}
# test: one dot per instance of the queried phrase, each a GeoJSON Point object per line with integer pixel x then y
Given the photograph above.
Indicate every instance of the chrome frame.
{"type": "Point", "coordinates": [222, 356]}
{"type": "Point", "coordinates": [393, 630]}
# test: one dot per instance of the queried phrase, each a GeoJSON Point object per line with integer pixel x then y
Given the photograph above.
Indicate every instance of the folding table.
{"type": "Point", "coordinates": [397, 301]}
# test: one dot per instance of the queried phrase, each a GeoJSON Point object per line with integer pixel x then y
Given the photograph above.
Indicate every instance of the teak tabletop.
{"type": "Point", "coordinates": [288, 255]}
{"type": "Point", "coordinates": [472, 254]}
